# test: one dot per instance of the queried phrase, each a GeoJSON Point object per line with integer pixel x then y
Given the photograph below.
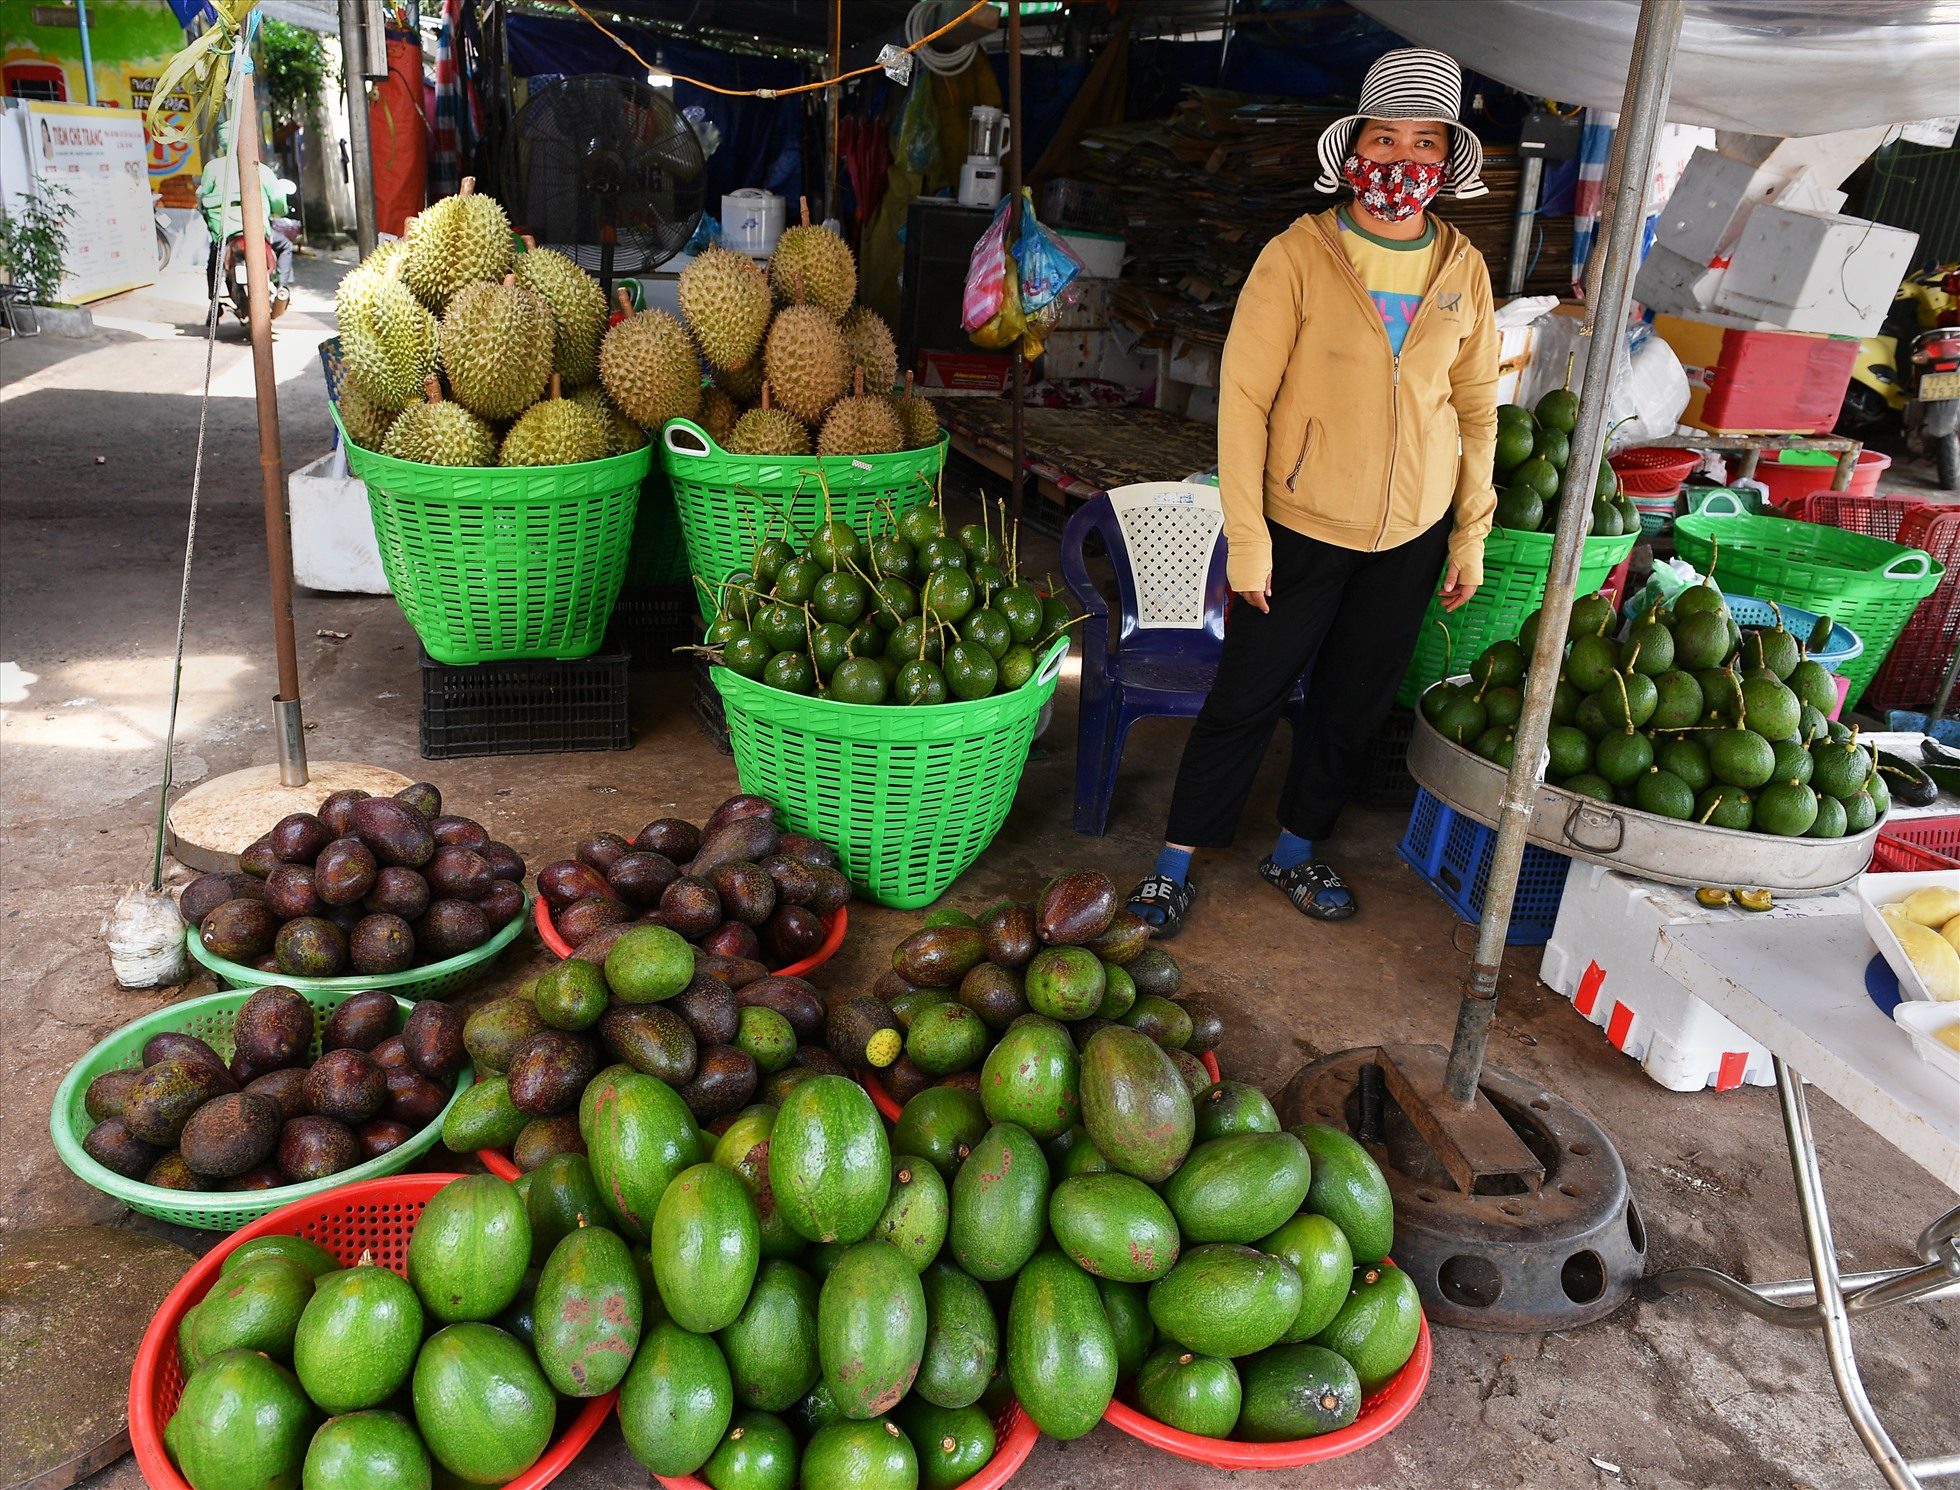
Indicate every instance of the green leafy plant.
{"type": "Point", "coordinates": [34, 241]}
{"type": "Point", "coordinates": [295, 66]}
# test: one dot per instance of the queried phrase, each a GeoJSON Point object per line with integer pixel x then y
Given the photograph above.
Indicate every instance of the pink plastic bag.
{"type": "Point", "coordinates": [986, 273]}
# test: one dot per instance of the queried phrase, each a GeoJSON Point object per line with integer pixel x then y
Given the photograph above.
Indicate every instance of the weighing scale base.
{"type": "Point", "coordinates": [1519, 1259]}
{"type": "Point", "coordinates": [216, 820]}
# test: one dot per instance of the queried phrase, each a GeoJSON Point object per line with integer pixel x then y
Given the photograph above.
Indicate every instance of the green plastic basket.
{"type": "Point", "coordinates": [728, 502]}
{"type": "Point", "coordinates": [438, 980]}
{"type": "Point", "coordinates": [1516, 566]}
{"type": "Point", "coordinates": [498, 563]}
{"type": "Point", "coordinates": [657, 558]}
{"type": "Point", "coordinates": [209, 1018]}
{"type": "Point", "coordinates": [909, 797]}
{"type": "Point", "coordinates": [1866, 584]}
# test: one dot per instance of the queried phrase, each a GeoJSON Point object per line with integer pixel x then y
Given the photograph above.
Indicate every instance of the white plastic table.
{"type": "Point", "coordinates": [1798, 987]}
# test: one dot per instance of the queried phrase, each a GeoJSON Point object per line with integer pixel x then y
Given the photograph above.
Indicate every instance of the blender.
{"type": "Point", "coordinates": [988, 132]}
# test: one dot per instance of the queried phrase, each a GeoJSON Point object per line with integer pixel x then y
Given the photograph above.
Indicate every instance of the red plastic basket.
{"type": "Point", "coordinates": [835, 924]}
{"type": "Point", "coordinates": [1789, 484]}
{"type": "Point", "coordinates": [1916, 844]}
{"type": "Point", "coordinates": [1917, 663]}
{"type": "Point", "coordinates": [873, 1083]}
{"type": "Point", "coordinates": [1877, 515]}
{"type": "Point", "coordinates": [1379, 1414]}
{"type": "Point", "coordinates": [1014, 1436]}
{"type": "Point", "coordinates": [1647, 472]}
{"type": "Point", "coordinates": [374, 1216]}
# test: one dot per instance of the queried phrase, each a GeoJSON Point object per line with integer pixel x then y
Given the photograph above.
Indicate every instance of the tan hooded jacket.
{"type": "Point", "coordinates": [1325, 431]}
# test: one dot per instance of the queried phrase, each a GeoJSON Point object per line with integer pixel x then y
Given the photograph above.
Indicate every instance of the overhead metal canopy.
{"type": "Point", "coordinates": [1777, 67]}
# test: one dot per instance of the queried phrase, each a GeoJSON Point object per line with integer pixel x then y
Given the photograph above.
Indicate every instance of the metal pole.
{"type": "Point", "coordinates": [1522, 224]}
{"type": "Point", "coordinates": [88, 56]}
{"type": "Point", "coordinates": [353, 69]}
{"type": "Point", "coordinates": [1645, 110]}
{"type": "Point", "coordinates": [1018, 375]}
{"type": "Point", "coordinates": [272, 473]}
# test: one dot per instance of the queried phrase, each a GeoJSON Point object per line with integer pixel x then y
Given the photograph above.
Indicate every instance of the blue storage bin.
{"type": "Point", "coordinates": [1453, 853]}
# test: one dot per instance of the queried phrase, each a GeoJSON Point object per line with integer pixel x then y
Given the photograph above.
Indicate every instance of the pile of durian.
{"type": "Point", "coordinates": [465, 347]}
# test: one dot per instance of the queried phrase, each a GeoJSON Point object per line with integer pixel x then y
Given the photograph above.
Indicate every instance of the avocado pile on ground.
{"type": "Point", "coordinates": [1533, 450]}
{"type": "Point", "coordinates": [1680, 713]}
{"type": "Point", "coordinates": [917, 615]}
{"type": "Point", "coordinates": [292, 1104]}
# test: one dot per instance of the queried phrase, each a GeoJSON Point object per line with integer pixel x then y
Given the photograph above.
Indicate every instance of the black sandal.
{"type": "Point", "coordinates": [1159, 892]}
{"type": "Point", "coordinates": [1304, 884]}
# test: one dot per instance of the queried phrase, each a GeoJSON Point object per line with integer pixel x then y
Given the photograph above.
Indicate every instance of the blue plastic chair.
{"type": "Point", "coordinates": [1166, 540]}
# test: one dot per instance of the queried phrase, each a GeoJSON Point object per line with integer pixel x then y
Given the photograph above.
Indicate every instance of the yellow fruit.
{"type": "Point", "coordinates": [718, 415]}
{"type": "Point", "coordinates": [555, 432]}
{"type": "Point", "coordinates": [622, 433]}
{"type": "Point", "coordinates": [1949, 1034]}
{"type": "Point", "coordinates": [869, 341]}
{"type": "Point", "coordinates": [1951, 931]}
{"type": "Point", "coordinates": [367, 423]}
{"type": "Point", "coordinates": [865, 425]}
{"type": "Point", "coordinates": [497, 345]}
{"type": "Point", "coordinates": [461, 240]}
{"type": "Point", "coordinates": [725, 297]}
{"type": "Point", "coordinates": [806, 363]}
{"type": "Point", "coordinates": [1933, 957]}
{"type": "Point", "coordinates": [439, 433]}
{"type": "Point", "coordinates": [651, 369]}
{"type": "Point", "coordinates": [577, 307]}
{"type": "Point", "coordinates": [1933, 906]}
{"type": "Point", "coordinates": [812, 265]}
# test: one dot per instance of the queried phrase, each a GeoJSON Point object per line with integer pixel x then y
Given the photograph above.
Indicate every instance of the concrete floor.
{"type": "Point", "coordinates": [99, 437]}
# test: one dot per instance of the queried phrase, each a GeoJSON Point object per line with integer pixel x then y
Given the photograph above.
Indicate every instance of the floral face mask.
{"type": "Point", "coordinates": [1392, 190]}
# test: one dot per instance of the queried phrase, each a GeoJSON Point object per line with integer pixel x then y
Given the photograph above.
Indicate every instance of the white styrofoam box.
{"type": "Point", "coordinates": [1085, 305]}
{"type": "Point", "coordinates": [1920, 1021]}
{"type": "Point", "coordinates": [1816, 271]}
{"type": "Point", "coordinates": [1101, 253]}
{"type": "Point", "coordinates": [1513, 357]}
{"type": "Point", "coordinates": [1073, 354]}
{"type": "Point", "coordinates": [333, 530]}
{"type": "Point", "coordinates": [1704, 215]}
{"type": "Point", "coordinates": [1829, 158]}
{"type": "Point", "coordinates": [1601, 956]}
{"type": "Point", "coordinates": [1194, 362]}
{"type": "Point", "coordinates": [1875, 890]}
{"type": "Point", "coordinates": [1673, 285]}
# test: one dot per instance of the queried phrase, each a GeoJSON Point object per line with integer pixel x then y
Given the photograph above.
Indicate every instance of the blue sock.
{"type": "Point", "coordinates": [1173, 864]}
{"type": "Point", "coordinates": [1291, 849]}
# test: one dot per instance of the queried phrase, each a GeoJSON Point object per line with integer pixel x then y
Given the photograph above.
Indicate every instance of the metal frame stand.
{"type": "Point", "coordinates": [1752, 448]}
{"type": "Point", "coordinates": [1838, 1297]}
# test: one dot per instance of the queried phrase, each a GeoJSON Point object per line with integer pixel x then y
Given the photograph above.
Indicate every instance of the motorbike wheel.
{"type": "Point", "coordinates": [1946, 458]}
{"type": "Point", "coordinates": [163, 249]}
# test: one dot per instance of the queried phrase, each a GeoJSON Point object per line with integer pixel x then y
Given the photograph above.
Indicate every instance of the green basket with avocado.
{"type": "Point", "coordinates": [1516, 566]}
{"type": "Point", "coordinates": [211, 1019]}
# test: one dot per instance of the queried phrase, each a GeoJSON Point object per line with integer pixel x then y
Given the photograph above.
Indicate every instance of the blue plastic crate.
{"type": "Point", "coordinates": [1453, 853]}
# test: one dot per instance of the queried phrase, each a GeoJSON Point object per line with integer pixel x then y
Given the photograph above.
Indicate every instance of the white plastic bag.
{"type": "Point", "coordinates": [146, 939]}
{"type": "Point", "coordinates": [1649, 388]}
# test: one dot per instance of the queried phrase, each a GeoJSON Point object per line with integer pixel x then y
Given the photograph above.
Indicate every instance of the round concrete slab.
{"type": "Point", "coordinates": [74, 1302]}
{"type": "Point", "coordinates": [215, 821]}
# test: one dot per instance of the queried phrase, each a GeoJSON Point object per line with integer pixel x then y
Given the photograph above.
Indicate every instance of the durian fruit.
{"type": "Point", "coordinates": [555, 431]}
{"type": "Point", "coordinates": [387, 336]}
{"type": "Point", "coordinates": [578, 306]}
{"type": "Point", "coordinates": [497, 346]}
{"type": "Point", "coordinates": [621, 433]}
{"type": "Point", "coordinates": [718, 415]}
{"type": "Point", "coordinates": [919, 418]}
{"type": "Point", "coordinates": [365, 421]}
{"type": "Point", "coordinates": [440, 433]}
{"type": "Point", "coordinates": [873, 352]}
{"type": "Point", "coordinates": [725, 297]}
{"type": "Point", "coordinates": [743, 384]}
{"type": "Point", "coordinates": [650, 367]}
{"type": "Point", "coordinates": [460, 240]}
{"type": "Point", "coordinates": [768, 431]}
{"type": "Point", "coordinates": [864, 424]}
{"type": "Point", "coordinates": [806, 362]}
{"type": "Point", "coordinates": [813, 265]}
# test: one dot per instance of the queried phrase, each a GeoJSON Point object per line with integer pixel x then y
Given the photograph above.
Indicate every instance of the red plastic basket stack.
{"type": "Point", "coordinates": [1917, 844]}
{"type": "Point", "coordinates": [1649, 472]}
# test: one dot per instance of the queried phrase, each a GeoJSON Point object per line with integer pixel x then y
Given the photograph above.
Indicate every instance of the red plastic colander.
{"type": "Point", "coordinates": [375, 1216]}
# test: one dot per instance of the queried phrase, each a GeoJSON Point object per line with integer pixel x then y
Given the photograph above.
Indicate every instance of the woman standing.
{"type": "Point", "coordinates": [1356, 420]}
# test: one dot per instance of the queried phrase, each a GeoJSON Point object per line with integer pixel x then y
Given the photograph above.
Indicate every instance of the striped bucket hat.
{"type": "Point", "coordinates": [1412, 83]}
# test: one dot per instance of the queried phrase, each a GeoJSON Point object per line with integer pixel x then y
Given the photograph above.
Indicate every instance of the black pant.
{"type": "Point", "coordinates": [1354, 617]}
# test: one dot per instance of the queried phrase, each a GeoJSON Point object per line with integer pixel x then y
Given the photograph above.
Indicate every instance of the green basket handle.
{"type": "Point", "coordinates": [695, 441]}
{"type": "Point", "coordinates": [1734, 506]}
{"type": "Point", "coordinates": [1922, 567]}
{"type": "Point", "coordinates": [1051, 665]}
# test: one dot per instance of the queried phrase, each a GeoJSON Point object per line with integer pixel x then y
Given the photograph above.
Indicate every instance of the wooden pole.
{"type": "Point", "coordinates": [272, 472]}
{"type": "Point", "coordinates": [1018, 374]}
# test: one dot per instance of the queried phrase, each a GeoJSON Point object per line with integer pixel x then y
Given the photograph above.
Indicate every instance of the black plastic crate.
{"type": "Point", "coordinates": [1388, 786]}
{"type": "Point", "coordinates": [708, 710]}
{"type": "Point", "coordinates": [525, 708]}
{"type": "Point", "coordinates": [652, 622]}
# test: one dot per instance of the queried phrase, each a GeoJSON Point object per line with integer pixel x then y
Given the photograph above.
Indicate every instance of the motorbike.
{"type": "Point", "coordinates": [1917, 394]}
{"type": "Point", "coordinates": [282, 234]}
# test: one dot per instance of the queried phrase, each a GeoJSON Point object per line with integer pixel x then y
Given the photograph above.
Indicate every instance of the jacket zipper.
{"type": "Point", "coordinates": [1394, 373]}
{"type": "Point", "coordinates": [1306, 440]}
